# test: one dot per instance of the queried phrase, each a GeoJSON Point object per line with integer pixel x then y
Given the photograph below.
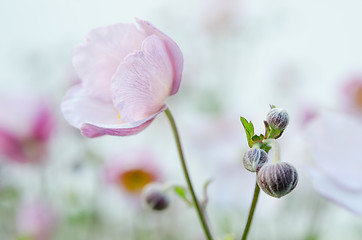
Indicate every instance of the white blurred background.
{"type": "Point", "coordinates": [239, 57]}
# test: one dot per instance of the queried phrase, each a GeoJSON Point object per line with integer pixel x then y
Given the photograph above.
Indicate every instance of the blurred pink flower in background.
{"type": "Point", "coordinates": [336, 146]}
{"type": "Point", "coordinates": [219, 16]}
{"type": "Point", "coordinates": [35, 220]}
{"type": "Point", "coordinates": [127, 73]}
{"type": "Point", "coordinates": [26, 125]}
{"type": "Point", "coordinates": [132, 171]}
{"type": "Point", "coordinates": [352, 94]}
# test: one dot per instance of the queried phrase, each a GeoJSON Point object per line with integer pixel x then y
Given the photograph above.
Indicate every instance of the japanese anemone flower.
{"type": "Point", "coordinates": [335, 144]}
{"type": "Point", "coordinates": [132, 171]}
{"type": "Point", "coordinates": [25, 132]}
{"type": "Point", "coordinates": [126, 75]}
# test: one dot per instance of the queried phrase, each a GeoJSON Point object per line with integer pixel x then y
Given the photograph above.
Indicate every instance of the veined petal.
{"type": "Point", "coordinates": [78, 108]}
{"type": "Point", "coordinates": [173, 51]}
{"type": "Point", "coordinates": [142, 83]}
{"type": "Point", "coordinates": [126, 129]}
{"type": "Point", "coordinates": [97, 118]}
{"type": "Point", "coordinates": [97, 59]}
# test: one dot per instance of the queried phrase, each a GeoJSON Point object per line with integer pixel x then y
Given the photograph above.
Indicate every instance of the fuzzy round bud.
{"type": "Point", "coordinates": [254, 158]}
{"type": "Point", "coordinates": [277, 118]}
{"type": "Point", "coordinates": [277, 179]}
{"type": "Point", "coordinates": [154, 197]}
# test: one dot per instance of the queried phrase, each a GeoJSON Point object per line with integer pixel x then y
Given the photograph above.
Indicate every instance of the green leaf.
{"type": "Point", "coordinates": [257, 138]}
{"type": "Point", "coordinates": [272, 106]}
{"type": "Point", "coordinates": [249, 130]}
{"type": "Point", "coordinates": [183, 194]}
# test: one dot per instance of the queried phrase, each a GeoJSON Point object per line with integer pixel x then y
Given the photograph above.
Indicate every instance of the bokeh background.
{"type": "Point", "coordinates": [239, 57]}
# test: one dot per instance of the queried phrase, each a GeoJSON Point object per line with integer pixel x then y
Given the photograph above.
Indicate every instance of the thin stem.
{"type": "Point", "coordinates": [187, 176]}
{"type": "Point", "coordinates": [251, 212]}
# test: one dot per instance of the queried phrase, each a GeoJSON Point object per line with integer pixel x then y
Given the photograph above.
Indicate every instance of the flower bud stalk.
{"type": "Point", "coordinates": [276, 149]}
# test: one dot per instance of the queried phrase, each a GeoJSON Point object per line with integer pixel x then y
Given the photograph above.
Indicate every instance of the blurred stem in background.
{"type": "Point", "coordinates": [200, 213]}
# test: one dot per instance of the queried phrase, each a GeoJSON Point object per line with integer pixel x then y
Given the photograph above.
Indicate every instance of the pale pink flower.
{"type": "Point", "coordinates": [127, 73]}
{"type": "Point", "coordinates": [335, 142]}
{"type": "Point", "coordinates": [35, 220]}
{"type": "Point", "coordinates": [132, 171]}
{"type": "Point", "coordinates": [26, 124]}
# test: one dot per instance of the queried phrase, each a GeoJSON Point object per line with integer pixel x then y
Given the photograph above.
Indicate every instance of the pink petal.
{"type": "Point", "coordinates": [19, 111]}
{"type": "Point", "coordinates": [143, 82]}
{"type": "Point", "coordinates": [10, 146]}
{"type": "Point", "coordinates": [336, 193]}
{"type": "Point", "coordinates": [79, 108]}
{"type": "Point", "coordinates": [336, 146]}
{"type": "Point", "coordinates": [126, 129]}
{"type": "Point", "coordinates": [173, 51]}
{"type": "Point", "coordinates": [35, 220]}
{"type": "Point", "coordinates": [96, 118]}
{"type": "Point", "coordinates": [98, 57]}
{"type": "Point", "coordinates": [43, 124]}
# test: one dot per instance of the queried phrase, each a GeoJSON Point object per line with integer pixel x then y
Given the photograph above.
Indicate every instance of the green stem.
{"type": "Point", "coordinates": [251, 211]}
{"type": "Point", "coordinates": [187, 176]}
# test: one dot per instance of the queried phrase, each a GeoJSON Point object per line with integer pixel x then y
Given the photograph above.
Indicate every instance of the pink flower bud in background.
{"type": "Point", "coordinates": [26, 124]}
{"type": "Point", "coordinates": [132, 171]}
{"type": "Point", "coordinates": [35, 221]}
{"type": "Point", "coordinates": [126, 75]}
{"type": "Point", "coordinates": [154, 196]}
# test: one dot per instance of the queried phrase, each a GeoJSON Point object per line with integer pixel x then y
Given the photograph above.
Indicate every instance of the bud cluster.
{"type": "Point", "coordinates": [275, 178]}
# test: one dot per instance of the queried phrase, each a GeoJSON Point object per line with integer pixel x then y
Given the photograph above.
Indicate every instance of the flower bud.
{"type": "Point", "coordinates": [277, 179]}
{"type": "Point", "coordinates": [277, 118]}
{"type": "Point", "coordinates": [154, 197]}
{"type": "Point", "coordinates": [254, 158]}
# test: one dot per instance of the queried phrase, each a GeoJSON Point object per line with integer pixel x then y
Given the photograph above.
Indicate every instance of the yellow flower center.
{"type": "Point", "coordinates": [358, 98]}
{"type": "Point", "coordinates": [134, 180]}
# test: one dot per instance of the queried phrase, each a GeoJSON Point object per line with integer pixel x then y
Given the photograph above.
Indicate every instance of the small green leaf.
{"type": "Point", "coordinates": [272, 106]}
{"type": "Point", "coordinates": [257, 138]}
{"type": "Point", "coordinates": [249, 130]}
{"type": "Point", "coordinates": [183, 194]}
{"type": "Point", "coordinates": [181, 191]}
{"type": "Point", "coordinates": [279, 134]}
